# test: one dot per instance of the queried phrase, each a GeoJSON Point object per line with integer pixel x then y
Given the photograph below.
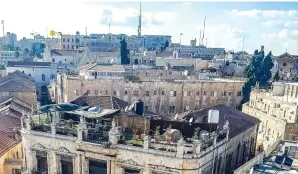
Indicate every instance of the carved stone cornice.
{"type": "Point", "coordinates": [161, 168]}
{"type": "Point", "coordinates": [63, 150]}
{"type": "Point", "coordinates": [38, 146]}
{"type": "Point", "coordinates": [128, 162]}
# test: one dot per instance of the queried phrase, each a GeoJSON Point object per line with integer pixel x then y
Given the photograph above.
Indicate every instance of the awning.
{"type": "Point", "coordinates": [90, 114]}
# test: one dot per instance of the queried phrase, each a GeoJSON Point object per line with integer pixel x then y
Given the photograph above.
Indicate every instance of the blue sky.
{"type": "Point", "coordinates": [272, 24]}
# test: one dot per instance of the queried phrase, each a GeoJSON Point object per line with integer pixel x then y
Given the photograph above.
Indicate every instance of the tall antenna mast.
{"type": "Point", "coordinates": [2, 22]}
{"type": "Point", "coordinates": [204, 31]}
{"type": "Point", "coordinates": [86, 31]}
{"type": "Point", "coordinates": [140, 21]}
{"type": "Point", "coordinates": [243, 47]}
{"type": "Point", "coordinates": [200, 37]}
{"type": "Point", "coordinates": [109, 28]}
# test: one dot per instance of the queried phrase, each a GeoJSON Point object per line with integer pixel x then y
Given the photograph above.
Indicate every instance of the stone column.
{"type": "Point", "coordinates": [114, 133]}
{"type": "Point", "coordinates": [28, 123]}
{"type": "Point", "coordinates": [197, 147]}
{"type": "Point", "coordinates": [53, 128]}
{"type": "Point", "coordinates": [180, 148]}
{"type": "Point", "coordinates": [80, 133]}
{"type": "Point", "coordinates": [146, 142]}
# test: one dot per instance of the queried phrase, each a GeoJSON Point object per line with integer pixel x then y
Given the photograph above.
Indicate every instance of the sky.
{"type": "Point", "coordinates": [272, 24]}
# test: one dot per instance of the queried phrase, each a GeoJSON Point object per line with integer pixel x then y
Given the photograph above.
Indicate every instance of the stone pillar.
{"type": "Point", "coordinates": [114, 134]}
{"type": "Point", "coordinates": [80, 133]}
{"type": "Point", "coordinates": [53, 128]}
{"type": "Point", "coordinates": [197, 147]}
{"type": "Point", "coordinates": [146, 142]}
{"type": "Point", "coordinates": [214, 139]}
{"type": "Point", "coordinates": [28, 123]}
{"type": "Point", "coordinates": [180, 148]}
{"type": "Point", "coordinates": [227, 134]}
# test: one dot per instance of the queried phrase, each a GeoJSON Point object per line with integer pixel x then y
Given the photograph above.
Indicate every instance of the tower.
{"type": "Point", "coordinates": [140, 22]}
{"type": "Point", "coordinates": [2, 22]}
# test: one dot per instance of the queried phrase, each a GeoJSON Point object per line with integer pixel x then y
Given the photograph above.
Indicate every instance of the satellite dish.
{"type": "Point", "coordinates": [94, 109]}
{"type": "Point", "coordinates": [191, 119]}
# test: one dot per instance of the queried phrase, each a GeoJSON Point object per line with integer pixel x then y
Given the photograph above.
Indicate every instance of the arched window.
{"type": "Point", "coordinates": [43, 77]}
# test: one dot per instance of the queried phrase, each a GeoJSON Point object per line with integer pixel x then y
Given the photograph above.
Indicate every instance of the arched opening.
{"type": "Point", "coordinates": [43, 77]}
{"type": "Point", "coordinates": [136, 61]}
{"type": "Point", "coordinates": [44, 90]}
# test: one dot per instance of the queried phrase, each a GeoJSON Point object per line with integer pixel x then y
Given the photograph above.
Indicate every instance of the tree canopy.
{"type": "Point", "coordinates": [124, 52]}
{"type": "Point", "coordinates": [258, 71]}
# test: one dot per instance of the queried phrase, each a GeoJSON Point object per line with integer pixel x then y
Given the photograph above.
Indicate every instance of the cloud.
{"type": "Point", "coordinates": [281, 23]}
{"type": "Point", "coordinates": [262, 13]}
{"type": "Point", "coordinates": [273, 23]}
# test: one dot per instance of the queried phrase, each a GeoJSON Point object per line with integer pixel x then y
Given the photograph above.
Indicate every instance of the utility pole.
{"type": "Point", "coordinates": [2, 22]}
{"type": "Point", "coordinates": [243, 47]}
{"type": "Point", "coordinates": [204, 31]}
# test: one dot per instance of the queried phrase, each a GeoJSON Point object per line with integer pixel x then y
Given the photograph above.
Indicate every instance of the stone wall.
{"type": "Point", "coordinates": [291, 132]}
{"type": "Point", "coordinates": [157, 95]}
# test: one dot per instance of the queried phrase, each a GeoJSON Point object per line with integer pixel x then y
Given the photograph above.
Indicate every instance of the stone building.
{"type": "Point", "coordinates": [278, 111]}
{"type": "Point", "coordinates": [287, 67]}
{"type": "Point", "coordinates": [165, 97]}
{"type": "Point", "coordinates": [18, 85]}
{"type": "Point", "coordinates": [78, 141]}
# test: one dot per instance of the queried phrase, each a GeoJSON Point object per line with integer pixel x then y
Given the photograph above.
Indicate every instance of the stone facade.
{"type": "Point", "coordinates": [222, 156]}
{"type": "Point", "coordinates": [162, 97]}
{"type": "Point", "coordinates": [276, 109]}
{"type": "Point", "coordinates": [287, 67]}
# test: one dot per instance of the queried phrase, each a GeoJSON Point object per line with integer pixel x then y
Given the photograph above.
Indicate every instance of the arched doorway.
{"type": "Point", "coordinates": [44, 98]}
{"type": "Point", "coordinates": [136, 62]}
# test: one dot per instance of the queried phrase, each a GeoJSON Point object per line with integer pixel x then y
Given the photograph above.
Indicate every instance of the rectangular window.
{"type": "Point", "coordinates": [198, 93]}
{"type": "Point", "coordinates": [230, 93]}
{"type": "Point", "coordinates": [212, 93]}
{"type": "Point", "coordinates": [114, 92]}
{"type": "Point", "coordinates": [16, 171]}
{"type": "Point", "coordinates": [66, 165]}
{"type": "Point", "coordinates": [131, 171]}
{"type": "Point", "coordinates": [173, 93]}
{"type": "Point", "coordinates": [224, 93]}
{"type": "Point", "coordinates": [239, 93]}
{"type": "Point", "coordinates": [135, 93]}
{"type": "Point", "coordinates": [77, 92]}
{"type": "Point", "coordinates": [205, 93]}
{"type": "Point", "coordinates": [96, 92]}
{"type": "Point", "coordinates": [125, 92]}
{"type": "Point", "coordinates": [162, 93]}
{"type": "Point", "coordinates": [106, 92]}
{"type": "Point", "coordinates": [172, 109]}
{"type": "Point", "coordinates": [155, 92]}
{"type": "Point", "coordinates": [88, 91]}
{"type": "Point", "coordinates": [146, 108]}
{"type": "Point", "coordinates": [147, 93]}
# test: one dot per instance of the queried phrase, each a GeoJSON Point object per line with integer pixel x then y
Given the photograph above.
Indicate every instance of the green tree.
{"type": "Point", "coordinates": [8, 47]}
{"type": "Point", "coordinates": [124, 52]}
{"type": "Point", "coordinates": [17, 52]}
{"type": "Point", "coordinates": [257, 71]}
{"type": "Point", "coordinates": [276, 77]}
{"type": "Point", "coordinates": [266, 74]}
{"type": "Point", "coordinates": [2, 67]}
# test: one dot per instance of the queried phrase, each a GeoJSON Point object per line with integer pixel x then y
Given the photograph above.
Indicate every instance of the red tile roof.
{"type": "Point", "coordinates": [8, 127]}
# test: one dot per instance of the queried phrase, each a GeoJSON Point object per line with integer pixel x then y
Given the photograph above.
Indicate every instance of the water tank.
{"type": "Point", "coordinates": [213, 116]}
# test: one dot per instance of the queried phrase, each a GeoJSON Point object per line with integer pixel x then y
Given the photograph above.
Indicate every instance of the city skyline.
{"type": "Point", "coordinates": [273, 25]}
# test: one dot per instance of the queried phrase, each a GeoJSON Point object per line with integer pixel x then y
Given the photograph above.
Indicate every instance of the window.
{"type": "Point", "coordinates": [135, 93]}
{"type": "Point", "coordinates": [212, 93]}
{"type": "Point", "coordinates": [60, 62]}
{"type": "Point", "coordinates": [53, 60]}
{"type": "Point", "coordinates": [162, 93]}
{"type": "Point", "coordinates": [187, 93]}
{"type": "Point", "coordinates": [239, 93]}
{"type": "Point", "coordinates": [67, 39]}
{"type": "Point", "coordinates": [155, 92]}
{"type": "Point", "coordinates": [125, 92]}
{"type": "Point", "coordinates": [198, 92]}
{"type": "Point", "coordinates": [88, 91]}
{"type": "Point", "coordinates": [106, 92]}
{"type": "Point", "coordinates": [77, 92]}
{"type": "Point", "coordinates": [67, 46]}
{"type": "Point", "coordinates": [114, 92]}
{"type": "Point", "coordinates": [96, 92]}
{"type": "Point", "coordinates": [173, 93]}
{"type": "Point", "coordinates": [172, 109]}
{"type": "Point", "coordinates": [63, 46]}
{"type": "Point", "coordinates": [43, 77]}
{"type": "Point", "coordinates": [170, 72]}
{"type": "Point", "coordinates": [16, 171]}
{"type": "Point", "coordinates": [281, 69]}
{"type": "Point", "coordinates": [146, 108]}
{"type": "Point", "coordinates": [17, 155]}
{"type": "Point", "coordinates": [147, 93]}
{"type": "Point", "coordinates": [230, 93]}
{"type": "Point", "coordinates": [205, 93]}
{"type": "Point", "coordinates": [131, 171]}
{"type": "Point", "coordinates": [224, 93]}
{"type": "Point", "coordinates": [63, 39]}
{"type": "Point", "coordinates": [284, 64]}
